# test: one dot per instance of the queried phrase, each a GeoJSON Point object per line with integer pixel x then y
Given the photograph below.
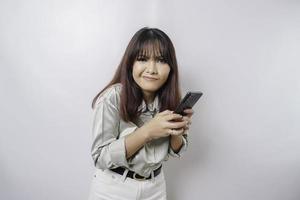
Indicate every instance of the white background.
{"type": "Point", "coordinates": [243, 55]}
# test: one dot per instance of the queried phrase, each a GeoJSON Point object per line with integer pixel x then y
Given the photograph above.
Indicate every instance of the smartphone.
{"type": "Point", "coordinates": [188, 101]}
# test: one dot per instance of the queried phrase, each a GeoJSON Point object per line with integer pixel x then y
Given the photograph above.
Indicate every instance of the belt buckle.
{"type": "Point", "coordinates": [138, 179]}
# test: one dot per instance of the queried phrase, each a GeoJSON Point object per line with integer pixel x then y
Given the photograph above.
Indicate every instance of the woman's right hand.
{"type": "Point", "coordinates": [162, 125]}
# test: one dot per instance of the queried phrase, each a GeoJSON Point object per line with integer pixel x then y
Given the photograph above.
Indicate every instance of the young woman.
{"type": "Point", "coordinates": [134, 127]}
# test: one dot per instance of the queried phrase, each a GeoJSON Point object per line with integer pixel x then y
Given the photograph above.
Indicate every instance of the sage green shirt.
{"type": "Point", "coordinates": [109, 131]}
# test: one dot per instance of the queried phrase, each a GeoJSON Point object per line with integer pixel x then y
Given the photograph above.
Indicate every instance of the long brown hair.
{"type": "Point", "coordinates": [131, 94]}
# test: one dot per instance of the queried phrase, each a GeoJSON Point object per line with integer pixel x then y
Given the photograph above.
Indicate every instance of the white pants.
{"type": "Point", "coordinates": [108, 185]}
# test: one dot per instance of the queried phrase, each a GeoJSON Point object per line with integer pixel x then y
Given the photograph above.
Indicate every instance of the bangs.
{"type": "Point", "coordinates": [155, 48]}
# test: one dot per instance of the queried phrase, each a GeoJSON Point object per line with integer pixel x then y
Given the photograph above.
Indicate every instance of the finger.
{"type": "Point", "coordinates": [166, 112]}
{"type": "Point", "coordinates": [185, 132]}
{"type": "Point", "coordinates": [173, 116]}
{"type": "Point", "coordinates": [186, 127]}
{"type": "Point", "coordinates": [188, 111]}
{"type": "Point", "coordinates": [175, 132]}
{"type": "Point", "coordinates": [176, 125]}
{"type": "Point", "coordinates": [188, 119]}
{"type": "Point", "coordinates": [185, 118]}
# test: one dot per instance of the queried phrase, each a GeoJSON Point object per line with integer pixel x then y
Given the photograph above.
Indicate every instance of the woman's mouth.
{"type": "Point", "coordinates": [149, 78]}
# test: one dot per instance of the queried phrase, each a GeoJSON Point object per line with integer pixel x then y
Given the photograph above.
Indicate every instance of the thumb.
{"type": "Point", "coordinates": [167, 112]}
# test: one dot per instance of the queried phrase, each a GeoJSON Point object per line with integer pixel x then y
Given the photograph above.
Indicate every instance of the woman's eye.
{"type": "Point", "coordinates": [141, 59]}
{"type": "Point", "coordinates": [161, 60]}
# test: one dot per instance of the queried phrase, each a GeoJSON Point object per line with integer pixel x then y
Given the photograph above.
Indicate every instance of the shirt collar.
{"type": "Point", "coordinates": [154, 106]}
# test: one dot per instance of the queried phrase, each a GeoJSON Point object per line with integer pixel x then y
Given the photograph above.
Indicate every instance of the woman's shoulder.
{"type": "Point", "coordinates": [110, 94]}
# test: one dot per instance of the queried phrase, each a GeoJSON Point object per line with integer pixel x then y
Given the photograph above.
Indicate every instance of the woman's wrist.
{"type": "Point", "coordinates": [146, 134]}
{"type": "Point", "coordinates": [176, 142]}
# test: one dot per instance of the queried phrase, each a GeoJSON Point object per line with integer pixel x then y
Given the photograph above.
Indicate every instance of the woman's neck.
{"type": "Point", "coordinates": [149, 97]}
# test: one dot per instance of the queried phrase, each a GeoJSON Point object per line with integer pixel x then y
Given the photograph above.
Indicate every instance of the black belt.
{"type": "Point", "coordinates": [133, 175]}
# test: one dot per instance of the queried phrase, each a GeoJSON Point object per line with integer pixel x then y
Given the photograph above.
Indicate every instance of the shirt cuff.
{"type": "Point", "coordinates": [182, 149]}
{"type": "Point", "coordinates": [118, 152]}
{"type": "Point", "coordinates": [117, 148]}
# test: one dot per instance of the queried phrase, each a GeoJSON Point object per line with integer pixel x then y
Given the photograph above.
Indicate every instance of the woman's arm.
{"type": "Point", "coordinates": [135, 141]}
{"type": "Point", "coordinates": [176, 142]}
{"type": "Point", "coordinates": [179, 143]}
{"type": "Point", "coordinates": [159, 126]}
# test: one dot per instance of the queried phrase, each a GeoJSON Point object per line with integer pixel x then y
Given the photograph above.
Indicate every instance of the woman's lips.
{"type": "Point", "coordinates": [149, 78]}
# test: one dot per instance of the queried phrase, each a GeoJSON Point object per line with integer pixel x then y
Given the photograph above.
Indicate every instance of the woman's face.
{"type": "Point", "coordinates": [150, 73]}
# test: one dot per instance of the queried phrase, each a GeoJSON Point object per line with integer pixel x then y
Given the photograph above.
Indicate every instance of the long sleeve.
{"type": "Point", "coordinates": [108, 149]}
{"type": "Point", "coordinates": [182, 149]}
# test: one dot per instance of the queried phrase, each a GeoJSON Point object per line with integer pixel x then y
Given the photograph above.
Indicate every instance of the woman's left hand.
{"type": "Point", "coordinates": [188, 117]}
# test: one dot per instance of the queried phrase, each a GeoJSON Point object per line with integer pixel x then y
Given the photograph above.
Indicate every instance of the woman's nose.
{"type": "Point", "coordinates": [151, 68]}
